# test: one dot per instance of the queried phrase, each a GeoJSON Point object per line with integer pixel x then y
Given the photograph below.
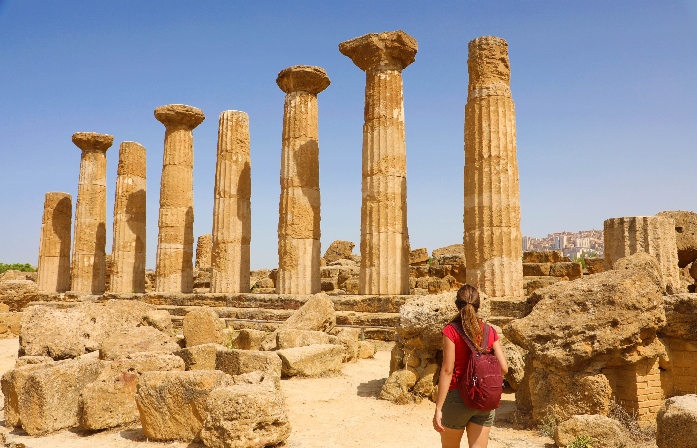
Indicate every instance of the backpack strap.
{"type": "Point", "coordinates": [485, 338]}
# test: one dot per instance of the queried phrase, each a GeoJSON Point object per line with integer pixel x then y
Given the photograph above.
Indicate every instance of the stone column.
{"type": "Point", "coordinates": [493, 241]}
{"type": "Point", "coordinates": [299, 209]}
{"type": "Point", "coordinates": [175, 240]}
{"type": "Point", "coordinates": [54, 246]}
{"type": "Point", "coordinates": [88, 264]}
{"type": "Point", "coordinates": [232, 206]}
{"type": "Point", "coordinates": [204, 245]}
{"type": "Point", "coordinates": [384, 235]}
{"type": "Point", "coordinates": [654, 235]}
{"type": "Point", "coordinates": [128, 251]}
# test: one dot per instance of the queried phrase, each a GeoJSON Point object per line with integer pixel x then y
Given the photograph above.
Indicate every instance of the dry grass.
{"type": "Point", "coordinates": [638, 434]}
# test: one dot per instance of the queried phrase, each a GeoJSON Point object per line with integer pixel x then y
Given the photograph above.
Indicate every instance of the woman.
{"type": "Point", "coordinates": [452, 417]}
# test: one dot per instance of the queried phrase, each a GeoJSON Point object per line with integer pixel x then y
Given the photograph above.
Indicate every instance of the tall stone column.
{"type": "Point", "coordinates": [493, 241]}
{"type": "Point", "coordinates": [128, 251]}
{"type": "Point", "coordinates": [54, 246]}
{"type": "Point", "coordinates": [384, 235]}
{"type": "Point", "coordinates": [654, 235]}
{"type": "Point", "coordinates": [88, 264]}
{"type": "Point", "coordinates": [232, 206]}
{"type": "Point", "coordinates": [204, 246]}
{"type": "Point", "coordinates": [175, 240]}
{"type": "Point", "coordinates": [299, 208]}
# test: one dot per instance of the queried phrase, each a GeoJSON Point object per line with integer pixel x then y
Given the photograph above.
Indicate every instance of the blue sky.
{"type": "Point", "coordinates": [605, 96]}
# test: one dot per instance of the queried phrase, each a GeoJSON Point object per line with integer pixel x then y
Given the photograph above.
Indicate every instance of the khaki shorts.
{"type": "Point", "coordinates": [456, 415]}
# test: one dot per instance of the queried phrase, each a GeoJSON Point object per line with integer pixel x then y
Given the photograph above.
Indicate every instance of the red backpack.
{"type": "Point", "coordinates": [481, 384]}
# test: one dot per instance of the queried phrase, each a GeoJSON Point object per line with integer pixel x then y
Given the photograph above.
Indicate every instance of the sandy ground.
{"type": "Point", "coordinates": [339, 411]}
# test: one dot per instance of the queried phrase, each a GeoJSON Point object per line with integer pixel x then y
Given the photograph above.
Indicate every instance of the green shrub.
{"type": "Point", "coordinates": [26, 267]}
{"type": "Point", "coordinates": [581, 442]}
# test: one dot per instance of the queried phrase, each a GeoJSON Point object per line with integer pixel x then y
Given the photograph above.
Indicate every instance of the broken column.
{"type": "Point", "coordinates": [175, 240]}
{"type": "Point", "coordinates": [299, 209]}
{"type": "Point", "coordinates": [88, 263]}
{"type": "Point", "coordinates": [54, 246]}
{"type": "Point", "coordinates": [204, 245]}
{"type": "Point", "coordinates": [654, 235]}
{"type": "Point", "coordinates": [493, 241]}
{"type": "Point", "coordinates": [384, 235]}
{"type": "Point", "coordinates": [128, 250]}
{"type": "Point", "coordinates": [232, 207]}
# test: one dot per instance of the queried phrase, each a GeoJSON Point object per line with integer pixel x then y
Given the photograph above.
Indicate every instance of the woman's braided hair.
{"type": "Point", "coordinates": [467, 303]}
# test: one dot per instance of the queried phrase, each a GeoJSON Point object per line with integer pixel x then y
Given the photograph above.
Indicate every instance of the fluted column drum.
{"type": "Point", "coordinates": [54, 247]}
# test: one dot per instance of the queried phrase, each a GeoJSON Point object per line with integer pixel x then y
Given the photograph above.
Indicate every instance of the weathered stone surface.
{"type": "Point", "coordinates": [232, 208]}
{"type": "Point", "coordinates": [110, 400]}
{"type": "Point", "coordinates": [569, 270]}
{"type": "Point", "coordinates": [249, 339]}
{"type": "Point", "coordinates": [200, 357]}
{"type": "Point", "coordinates": [366, 349]}
{"type": "Point", "coordinates": [338, 250]}
{"type": "Point", "coordinates": [17, 294]}
{"type": "Point", "coordinates": [10, 324]}
{"type": "Point", "coordinates": [425, 386]}
{"type": "Point", "coordinates": [397, 386]}
{"type": "Point", "coordinates": [245, 415]}
{"type": "Point", "coordinates": [204, 247]}
{"type": "Point", "coordinates": [12, 388]}
{"type": "Point", "coordinates": [418, 256]}
{"type": "Point", "coordinates": [238, 362]}
{"type": "Point", "coordinates": [425, 317]}
{"type": "Point", "coordinates": [685, 235]}
{"type": "Point", "coordinates": [608, 317]}
{"type": "Point", "coordinates": [604, 432]}
{"type": "Point", "coordinates": [29, 360]}
{"type": "Point", "coordinates": [316, 314]}
{"type": "Point", "coordinates": [348, 338]}
{"type": "Point", "coordinates": [54, 246]}
{"type": "Point", "coordinates": [299, 338]}
{"type": "Point", "coordinates": [595, 265]}
{"type": "Point", "coordinates": [493, 240]}
{"type": "Point", "coordinates": [536, 269]}
{"type": "Point", "coordinates": [70, 332]}
{"type": "Point", "coordinates": [677, 422]}
{"type": "Point", "coordinates": [48, 397]}
{"type": "Point", "coordinates": [542, 256]}
{"type": "Point", "coordinates": [175, 239]}
{"type": "Point", "coordinates": [453, 249]}
{"type": "Point", "coordinates": [136, 340]}
{"type": "Point", "coordinates": [160, 319]}
{"type": "Point", "coordinates": [681, 316]}
{"type": "Point", "coordinates": [654, 235]}
{"type": "Point", "coordinates": [203, 326]}
{"type": "Point", "coordinates": [311, 360]}
{"type": "Point", "coordinates": [172, 405]}
{"type": "Point", "coordinates": [87, 272]}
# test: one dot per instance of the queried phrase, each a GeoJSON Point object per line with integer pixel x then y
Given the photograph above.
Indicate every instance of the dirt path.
{"type": "Point", "coordinates": [340, 411]}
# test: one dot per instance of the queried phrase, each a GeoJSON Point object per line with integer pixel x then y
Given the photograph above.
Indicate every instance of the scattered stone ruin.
{"type": "Point", "coordinates": [105, 347]}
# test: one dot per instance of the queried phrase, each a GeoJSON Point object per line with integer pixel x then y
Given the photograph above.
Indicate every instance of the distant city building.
{"type": "Point", "coordinates": [559, 242]}
{"type": "Point", "coordinates": [572, 244]}
{"type": "Point", "coordinates": [525, 243]}
{"type": "Point", "coordinates": [583, 242]}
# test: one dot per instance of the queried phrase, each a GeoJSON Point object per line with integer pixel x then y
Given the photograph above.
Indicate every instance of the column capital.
{"type": "Point", "coordinates": [393, 50]}
{"type": "Point", "coordinates": [488, 66]}
{"type": "Point", "coordinates": [303, 78]}
{"type": "Point", "coordinates": [179, 115]}
{"type": "Point", "coordinates": [92, 141]}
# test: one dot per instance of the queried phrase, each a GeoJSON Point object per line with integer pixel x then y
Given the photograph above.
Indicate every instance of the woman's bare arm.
{"type": "Point", "coordinates": [444, 379]}
{"type": "Point", "coordinates": [498, 352]}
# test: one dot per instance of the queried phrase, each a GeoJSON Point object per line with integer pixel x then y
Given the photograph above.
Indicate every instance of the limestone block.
{"type": "Point", "coordinates": [425, 317]}
{"type": "Point", "coordinates": [418, 257]}
{"type": "Point", "coordinates": [110, 400]}
{"type": "Point", "coordinates": [351, 286]}
{"type": "Point", "coordinates": [595, 265]}
{"type": "Point", "coordinates": [677, 422]}
{"type": "Point", "coordinates": [30, 360]}
{"type": "Point", "coordinates": [654, 235]}
{"type": "Point", "coordinates": [160, 319]}
{"type": "Point", "coordinates": [397, 386]}
{"type": "Point", "coordinates": [249, 339]}
{"type": "Point", "coordinates": [536, 269]}
{"type": "Point", "coordinates": [316, 314]}
{"type": "Point", "coordinates": [49, 397]}
{"type": "Point", "coordinates": [10, 324]}
{"type": "Point", "coordinates": [136, 340]}
{"type": "Point", "coordinates": [418, 271]}
{"type": "Point", "coordinates": [245, 415]}
{"type": "Point", "coordinates": [54, 246]}
{"type": "Point", "coordinates": [366, 349]}
{"type": "Point", "coordinates": [348, 338]}
{"type": "Point", "coordinates": [396, 357]}
{"type": "Point", "coordinates": [570, 270]}
{"type": "Point", "coordinates": [238, 362]}
{"type": "Point", "coordinates": [203, 326]}
{"type": "Point", "coordinates": [453, 249]}
{"type": "Point", "coordinates": [681, 316]}
{"type": "Point", "coordinates": [311, 360]}
{"type": "Point", "coordinates": [172, 405]}
{"type": "Point", "coordinates": [685, 235]}
{"type": "Point", "coordinates": [299, 338]}
{"type": "Point", "coordinates": [13, 382]}
{"type": "Point", "coordinates": [424, 387]}
{"type": "Point", "coordinates": [204, 247]}
{"type": "Point", "coordinates": [200, 357]}
{"type": "Point", "coordinates": [338, 250]}
{"type": "Point", "coordinates": [604, 432]}
{"type": "Point", "coordinates": [532, 284]}
{"type": "Point", "coordinates": [438, 286]}
{"type": "Point", "coordinates": [329, 284]}
{"type": "Point", "coordinates": [542, 256]}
